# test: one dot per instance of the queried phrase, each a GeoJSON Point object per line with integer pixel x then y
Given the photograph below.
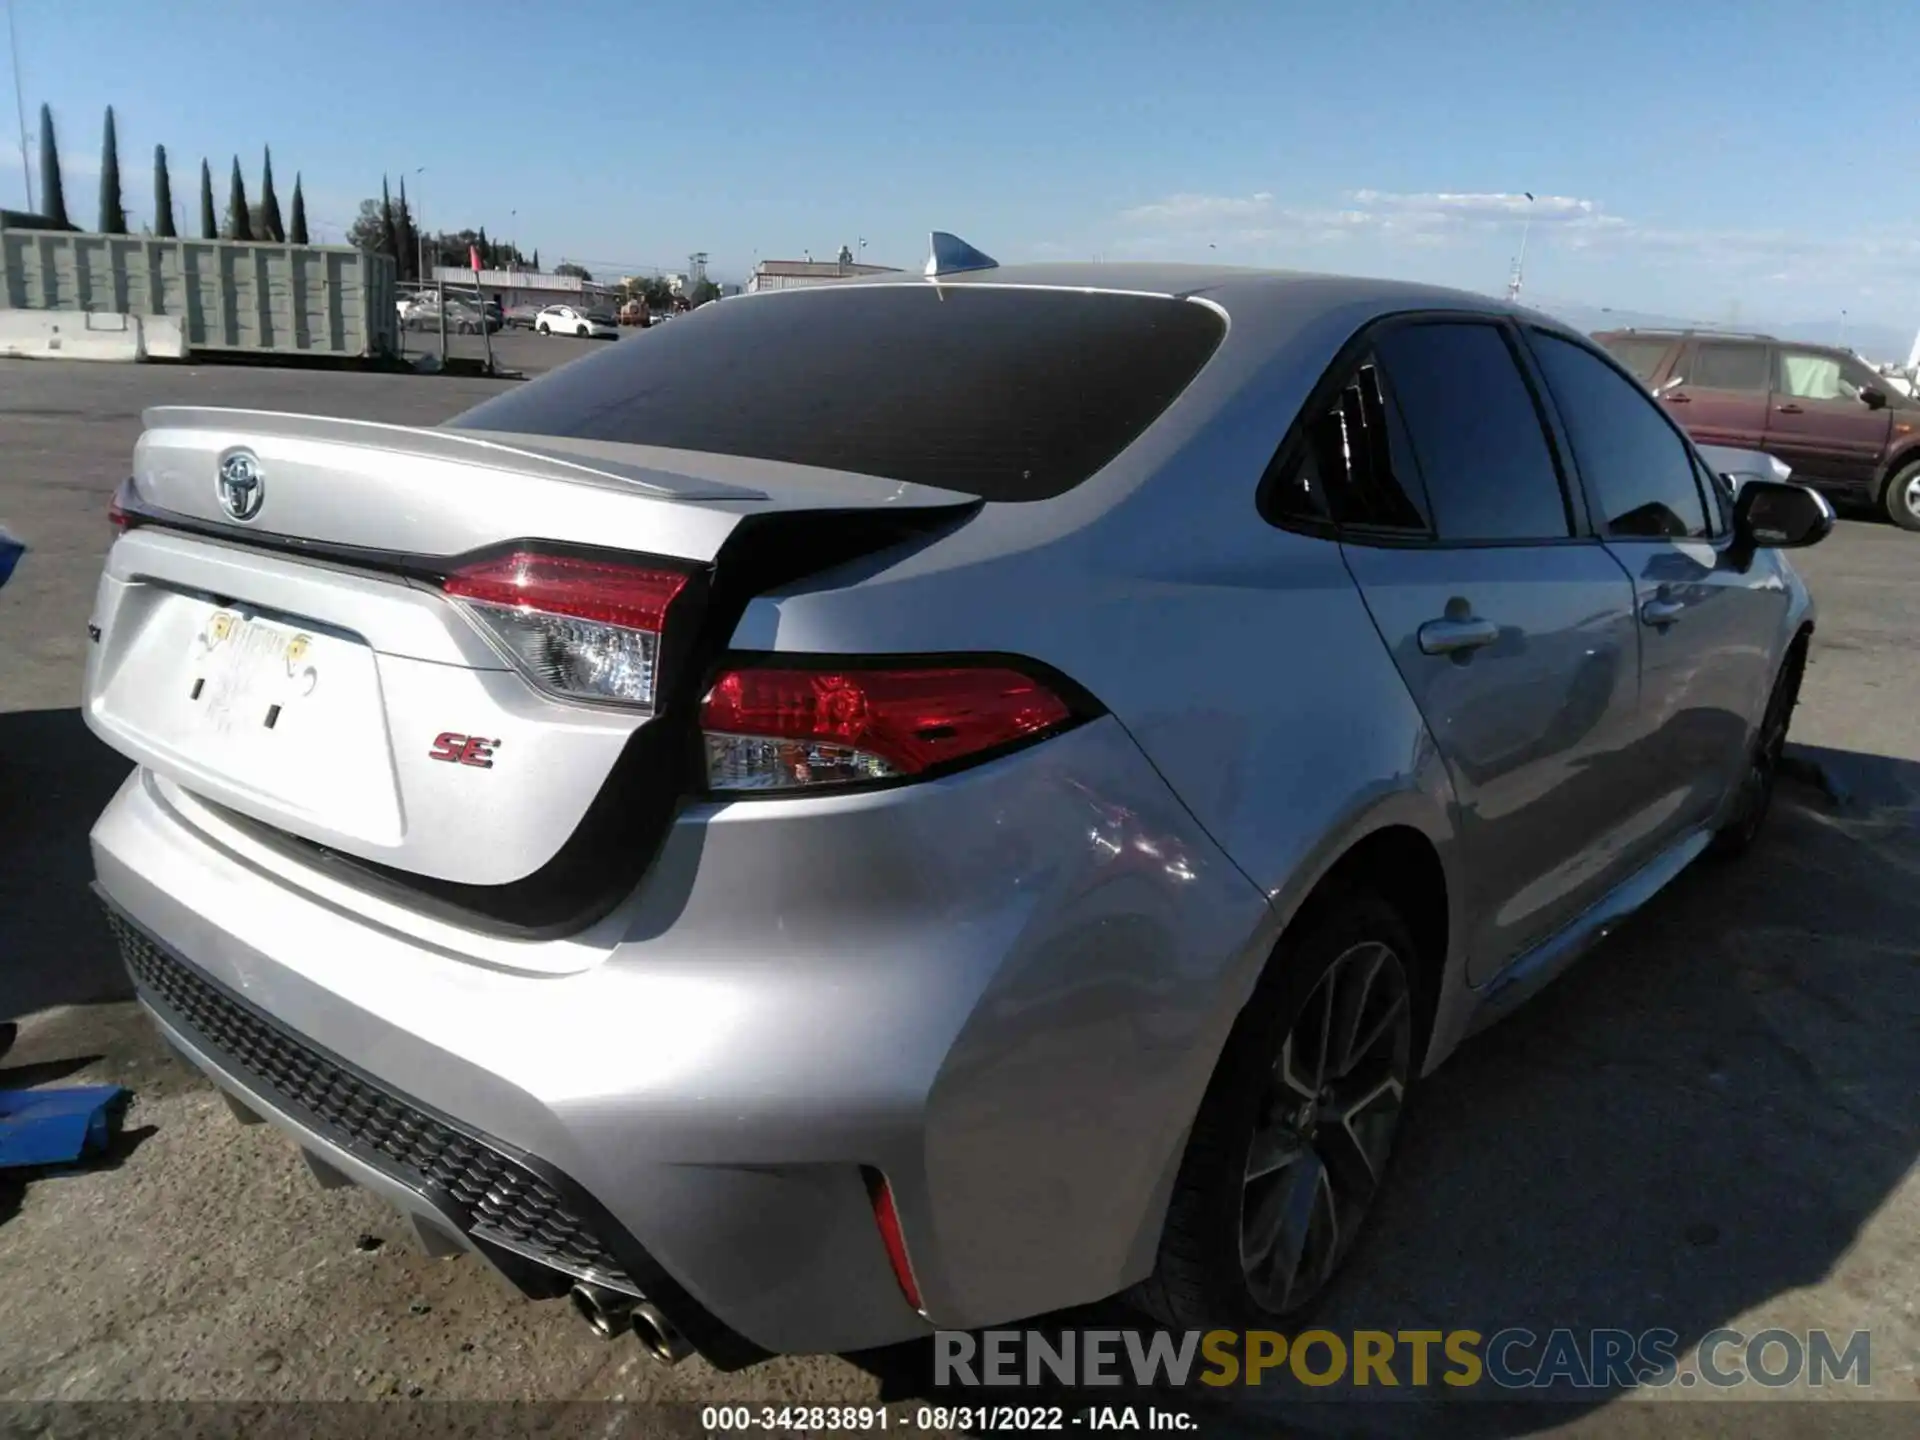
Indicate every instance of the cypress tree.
{"type": "Point", "coordinates": [162, 194]}
{"type": "Point", "coordinates": [298, 231]}
{"type": "Point", "coordinates": [209, 226]}
{"type": "Point", "coordinates": [406, 235]}
{"type": "Point", "coordinates": [53, 195]}
{"type": "Point", "coordinates": [389, 236]}
{"type": "Point", "coordinates": [270, 203]}
{"type": "Point", "coordinates": [239, 219]}
{"type": "Point", "coordinates": [113, 214]}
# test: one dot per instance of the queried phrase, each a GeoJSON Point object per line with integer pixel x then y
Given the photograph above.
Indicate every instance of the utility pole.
{"type": "Point", "coordinates": [20, 106]}
{"type": "Point", "coordinates": [1518, 277]}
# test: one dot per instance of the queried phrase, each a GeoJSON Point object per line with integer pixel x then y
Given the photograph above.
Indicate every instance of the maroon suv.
{"type": "Point", "coordinates": [1820, 409]}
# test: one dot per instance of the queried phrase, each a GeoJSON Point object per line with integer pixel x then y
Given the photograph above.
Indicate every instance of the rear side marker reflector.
{"type": "Point", "coordinates": [584, 628]}
{"type": "Point", "coordinates": [887, 1219]}
{"type": "Point", "coordinates": [790, 729]}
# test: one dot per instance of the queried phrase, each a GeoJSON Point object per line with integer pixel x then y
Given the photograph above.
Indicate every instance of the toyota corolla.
{"type": "Point", "coordinates": [919, 802]}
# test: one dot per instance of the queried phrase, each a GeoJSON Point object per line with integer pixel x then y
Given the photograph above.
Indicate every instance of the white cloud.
{"type": "Point", "coordinates": [1426, 220]}
{"type": "Point", "coordinates": [1183, 210]}
{"type": "Point", "coordinates": [1258, 228]}
{"type": "Point", "coordinates": [1481, 206]}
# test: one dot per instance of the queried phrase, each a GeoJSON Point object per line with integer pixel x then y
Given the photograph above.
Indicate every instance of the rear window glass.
{"type": "Point", "coordinates": [1001, 393]}
{"type": "Point", "coordinates": [1718, 365]}
{"type": "Point", "coordinates": [1640, 358]}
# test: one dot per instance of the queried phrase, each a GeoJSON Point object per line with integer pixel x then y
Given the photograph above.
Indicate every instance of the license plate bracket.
{"type": "Point", "coordinates": [247, 672]}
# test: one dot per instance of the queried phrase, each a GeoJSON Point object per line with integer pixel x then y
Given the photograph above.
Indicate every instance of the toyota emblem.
{"type": "Point", "coordinates": [241, 488]}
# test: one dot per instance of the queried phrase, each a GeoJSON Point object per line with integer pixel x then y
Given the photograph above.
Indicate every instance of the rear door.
{"type": "Point", "coordinates": [1818, 423]}
{"type": "Point", "coordinates": [1718, 392]}
{"type": "Point", "coordinates": [1708, 622]}
{"type": "Point", "coordinates": [1512, 628]}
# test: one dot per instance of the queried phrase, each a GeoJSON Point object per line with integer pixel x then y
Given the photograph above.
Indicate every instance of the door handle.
{"type": "Point", "coordinates": [1676, 397]}
{"type": "Point", "coordinates": [1662, 612]}
{"type": "Point", "coordinates": [1790, 409]}
{"type": "Point", "coordinates": [1453, 636]}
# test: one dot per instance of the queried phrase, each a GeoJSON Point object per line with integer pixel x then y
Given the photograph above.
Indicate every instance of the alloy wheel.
{"type": "Point", "coordinates": [1910, 497]}
{"type": "Point", "coordinates": [1326, 1127]}
{"type": "Point", "coordinates": [1763, 768]}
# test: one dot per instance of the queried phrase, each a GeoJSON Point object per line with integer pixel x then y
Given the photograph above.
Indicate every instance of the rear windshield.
{"type": "Point", "coordinates": [1640, 357]}
{"type": "Point", "coordinates": [1001, 393]}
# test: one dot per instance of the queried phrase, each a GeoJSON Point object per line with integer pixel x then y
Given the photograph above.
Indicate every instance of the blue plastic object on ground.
{"type": "Point", "coordinates": [55, 1127]}
{"type": "Point", "coordinates": [10, 552]}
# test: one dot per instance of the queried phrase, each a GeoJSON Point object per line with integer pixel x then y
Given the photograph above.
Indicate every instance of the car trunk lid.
{"type": "Point", "coordinates": [305, 667]}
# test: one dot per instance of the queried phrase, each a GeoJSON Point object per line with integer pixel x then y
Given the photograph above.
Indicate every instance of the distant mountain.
{"type": "Point", "coordinates": [1877, 342]}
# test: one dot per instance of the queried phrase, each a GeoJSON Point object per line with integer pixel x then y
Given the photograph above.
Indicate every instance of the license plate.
{"type": "Point", "coordinates": [246, 673]}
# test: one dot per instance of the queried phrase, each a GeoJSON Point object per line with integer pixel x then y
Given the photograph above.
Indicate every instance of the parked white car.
{"type": "Point", "coordinates": [571, 320]}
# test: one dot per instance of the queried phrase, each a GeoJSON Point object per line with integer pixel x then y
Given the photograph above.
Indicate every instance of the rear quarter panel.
{"type": "Point", "coordinates": [1239, 657]}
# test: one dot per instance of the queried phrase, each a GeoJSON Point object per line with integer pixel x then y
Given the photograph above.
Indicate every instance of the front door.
{"type": "Point", "coordinates": [1513, 630]}
{"type": "Point", "coordinates": [1709, 626]}
{"type": "Point", "coordinates": [1819, 424]}
{"type": "Point", "coordinates": [1718, 392]}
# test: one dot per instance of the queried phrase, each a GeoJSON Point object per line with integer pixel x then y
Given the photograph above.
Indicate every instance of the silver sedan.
{"type": "Point", "coordinates": [918, 802]}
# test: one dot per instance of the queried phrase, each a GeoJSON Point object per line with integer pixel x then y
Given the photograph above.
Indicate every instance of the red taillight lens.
{"type": "Point", "coordinates": [581, 627]}
{"type": "Point", "coordinates": [604, 591]}
{"type": "Point", "coordinates": [887, 1220]}
{"type": "Point", "coordinates": [116, 513]}
{"type": "Point", "coordinates": [777, 729]}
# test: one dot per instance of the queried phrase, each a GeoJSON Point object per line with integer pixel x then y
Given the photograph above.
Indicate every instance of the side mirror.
{"type": "Point", "coordinates": [1776, 515]}
{"type": "Point", "coordinates": [1873, 397]}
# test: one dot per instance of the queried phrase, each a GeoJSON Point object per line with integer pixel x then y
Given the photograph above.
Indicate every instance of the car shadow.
{"type": "Point", "coordinates": [55, 779]}
{"type": "Point", "coordinates": [1696, 1122]}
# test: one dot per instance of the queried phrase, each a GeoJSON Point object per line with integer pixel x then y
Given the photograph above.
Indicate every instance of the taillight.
{"type": "Point", "coordinates": [887, 1220]}
{"type": "Point", "coordinates": [791, 729]}
{"type": "Point", "coordinates": [117, 515]}
{"type": "Point", "coordinates": [585, 628]}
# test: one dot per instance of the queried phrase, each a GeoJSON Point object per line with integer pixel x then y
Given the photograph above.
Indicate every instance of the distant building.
{"type": "Point", "coordinates": [793, 274]}
{"type": "Point", "coordinates": [526, 287]}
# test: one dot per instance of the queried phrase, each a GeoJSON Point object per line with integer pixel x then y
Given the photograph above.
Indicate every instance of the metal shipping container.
{"type": "Point", "coordinates": [233, 295]}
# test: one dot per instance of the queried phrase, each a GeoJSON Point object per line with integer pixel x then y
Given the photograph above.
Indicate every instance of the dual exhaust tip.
{"type": "Point", "coordinates": [611, 1313]}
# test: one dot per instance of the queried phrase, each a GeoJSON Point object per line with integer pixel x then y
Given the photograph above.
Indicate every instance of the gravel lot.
{"type": "Point", "coordinates": [1711, 1122]}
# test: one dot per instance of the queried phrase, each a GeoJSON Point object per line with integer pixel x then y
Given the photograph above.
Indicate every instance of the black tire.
{"type": "Point", "coordinates": [543, 328]}
{"type": "Point", "coordinates": [1755, 803]}
{"type": "Point", "coordinates": [583, 332]}
{"type": "Point", "coordinates": [1201, 1277]}
{"type": "Point", "coordinates": [1901, 498]}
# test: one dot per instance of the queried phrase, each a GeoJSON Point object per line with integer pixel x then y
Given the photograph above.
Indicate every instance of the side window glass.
{"type": "Point", "coordinates": [1806, 375]}
{"type": "Point", "coordinates": [1640, 473]}
{"type": "Point", "coordinates": [1476, 433]}
{"type": "Point", "coordinates": [1855, 377]}
{"type": "Point", "coordinates": [1722, 365]}
{"type": "Point", "coordinates": [1641, 356]}
{"type": "Point", "coordinates": [1352, 469]}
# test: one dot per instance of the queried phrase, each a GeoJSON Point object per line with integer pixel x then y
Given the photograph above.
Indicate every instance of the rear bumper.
{"type": "Point", "coordinates": [1004, 990]}
{"type": "Point", "coordinates": [461, 1189]}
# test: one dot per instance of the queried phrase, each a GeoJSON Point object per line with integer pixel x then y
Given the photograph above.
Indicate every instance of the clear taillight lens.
{"type": "Point", "coordinates": [789, 729]}
{"type": "Point", "coordinates": [588, 629]}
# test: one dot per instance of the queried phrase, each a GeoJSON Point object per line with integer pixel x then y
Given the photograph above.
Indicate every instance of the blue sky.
{"type": "Point", "coordinates": [1720, 161]}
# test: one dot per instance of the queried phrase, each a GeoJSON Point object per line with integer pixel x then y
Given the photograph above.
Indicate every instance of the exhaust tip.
{"type": "Point", "coordinates": [657, 1335]}
{"type": "Point", "coordinates": [608, 1313]}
